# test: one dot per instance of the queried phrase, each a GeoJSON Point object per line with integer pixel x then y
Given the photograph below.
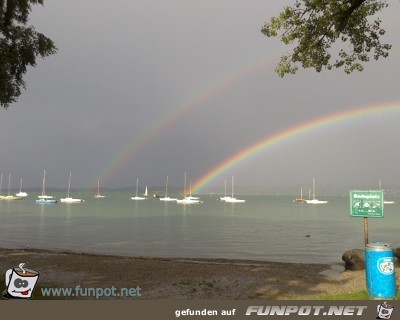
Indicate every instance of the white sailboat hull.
{"type": "Point", "coordinates": [316, 201]}
{"type": "Point", "coordinates": [138, 198]}
{"type": "Point", "coordinates": [224, 198]}
{"type": "Point", "coordinates": [71, 200]}
{"type": "Point", "coordinates": [11, 198]}
{"type": "Point", "coordinates": [45, 196]}
{"type": "Point", "coordinates": [188, 201]}
{"type": "Point", "coordinates": [234, 200]}
{"type": "Point", "coordinates": [168, 199]}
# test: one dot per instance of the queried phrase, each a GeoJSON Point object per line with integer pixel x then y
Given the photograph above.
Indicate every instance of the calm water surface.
{"type": "Point", "coordinates": [264, 228]}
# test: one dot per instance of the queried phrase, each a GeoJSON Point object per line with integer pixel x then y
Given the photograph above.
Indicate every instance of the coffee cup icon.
{"type": "Point", "coordinates": [21, 282]}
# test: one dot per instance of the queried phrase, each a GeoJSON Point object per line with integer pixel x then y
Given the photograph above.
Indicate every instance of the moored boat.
{"type": "Point", "coordinates": [44, 198]}
{"type": "Point", "coordinates": [69, 199]}
{"type": "Point", "coordinates": [384, 201]}
{"type": "Point", "coordinates": [224, 198]}
{"type": "Point", "coordinates": [9, 196]}
{"type": "Point", "coordinates": [136, 197]}
{"type": "Point", "coordinates": [187, 199]}
{"type": "Point", "coordinates": [45, 201]}
{"type": "Point", "coordinates": [232, 199]}
{"type": "Point", "coordinates": [99, 195]}
{"type": "Point", "coordinates": [166, 198]}
{"type": "Point", "coordinates": [315, 200]}
{"type": "Point", "coordinates": [300, 200]}
{"type": "Point", "coordinates": [21, 193]}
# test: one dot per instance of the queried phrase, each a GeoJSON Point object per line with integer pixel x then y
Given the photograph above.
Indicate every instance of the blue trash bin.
{"type": "Point", "coordinates": [379, 269]}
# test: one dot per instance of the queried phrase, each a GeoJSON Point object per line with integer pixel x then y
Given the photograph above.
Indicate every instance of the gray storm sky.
{"type": "Point", "coordinates": [187, 84]}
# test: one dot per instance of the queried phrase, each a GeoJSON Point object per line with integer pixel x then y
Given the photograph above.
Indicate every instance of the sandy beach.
{"type": "Point", "coordinates": [166, 278]}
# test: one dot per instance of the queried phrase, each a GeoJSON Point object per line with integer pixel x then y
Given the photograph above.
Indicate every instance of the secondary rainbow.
{"type": "Point", "coordinates": [176, 113]}
{"type": "Point", "coordinates": [285, 135]}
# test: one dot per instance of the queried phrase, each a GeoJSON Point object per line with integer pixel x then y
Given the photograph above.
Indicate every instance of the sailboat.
{"type": "Point", "coordinates": [225, 197]}
{"type": "Point", "coordinates": [98, 195]}
{"type": "Point", "coordinates": [314, 200]}
{"type": "Point", "coordinates": [233, 199]}
{"type": "Point", "coordinates": [136, 197]}
{"type": "Point", "coordinates": [166, 198]}
{"type": "Point", "coordinates": [190, 193]}
{"type": "Point", "coordinates": [44, 198]}
{"type": "Point", "coordinates": [380, 188]}
{"type": "Point", "coordinates": [21, 193]}
{"type": "Point", "coordinates": [300, 200]}
{"type": "Point", "coordinates": [68, 199]}
{"type": "Point", "coordinates": [187, 199]}
{"type": "Point", "coordinates": [10, 197]}
{"type": "Point", "coordinates": [146, 194]}
{"type": "Point", "coordinates": [44, 195]}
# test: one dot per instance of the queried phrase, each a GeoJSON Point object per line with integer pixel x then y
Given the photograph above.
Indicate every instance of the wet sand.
{"type": "Point", "coordinates": [178, 278]}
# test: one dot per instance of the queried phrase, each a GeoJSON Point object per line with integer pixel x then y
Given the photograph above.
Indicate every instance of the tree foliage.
{"type": "Point", "coordinates": [20, 45]}
{"type": "Point", "coordinates": [317, 27]}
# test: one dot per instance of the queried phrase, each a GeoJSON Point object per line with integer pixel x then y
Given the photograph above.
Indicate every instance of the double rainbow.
{"type": "Point", "coordinates": [174, 114]}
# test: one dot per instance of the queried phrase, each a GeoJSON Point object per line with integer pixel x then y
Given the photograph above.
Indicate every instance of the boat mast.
{"type": "Point", "coordinates": [225, 188]}
{"type": "Point", "coordinates": [43, 182]}
{"type": "Point", "coordinates": [232, 186]}
{"type": "Point", "coordinates": [184, 186]}
{"type": "Point", "coordinates": [166, 188]}
{"type": "Point", "coordinates": [9, 182]}
{"type": "Point", "coordinates": [69, 184]}
{"type": "Point", "coordinates": [313, 188]}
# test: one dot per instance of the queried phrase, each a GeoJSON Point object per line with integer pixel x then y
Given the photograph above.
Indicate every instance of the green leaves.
{"type": "Point", "coordinates": [316, 29]}
{"type": "Point", "coordinates": [20, 45]}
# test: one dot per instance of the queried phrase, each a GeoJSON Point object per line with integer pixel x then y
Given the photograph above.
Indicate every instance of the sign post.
{"type": "Point", "coordinates": [365, 231]}
{"type": "Point", "coordinates": [366, 204]}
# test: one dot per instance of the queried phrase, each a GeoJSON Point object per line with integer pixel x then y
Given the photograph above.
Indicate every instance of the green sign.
{"type": "Point", "coordinates": [367, 204]}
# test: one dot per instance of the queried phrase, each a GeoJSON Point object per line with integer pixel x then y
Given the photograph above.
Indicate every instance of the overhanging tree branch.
{"type": "Point", "coordinates": [313, 26]}
{"type": "Point", "coordinates": [20, 45]}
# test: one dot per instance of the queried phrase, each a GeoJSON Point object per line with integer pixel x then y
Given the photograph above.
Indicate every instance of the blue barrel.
{"type": "Point", "coordinates": [379, 269]}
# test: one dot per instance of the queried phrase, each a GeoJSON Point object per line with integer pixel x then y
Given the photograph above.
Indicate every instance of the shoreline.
{"type": "Point", "coordinates": [331, 262]}
{"type": "Point", "coordinates": [173, 258]}
{"type": "Point", "coordinates": [182, 278]}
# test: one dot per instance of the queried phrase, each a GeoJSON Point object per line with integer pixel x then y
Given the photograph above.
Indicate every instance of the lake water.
{"type": "Point", "coordinates": [264, 228]}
